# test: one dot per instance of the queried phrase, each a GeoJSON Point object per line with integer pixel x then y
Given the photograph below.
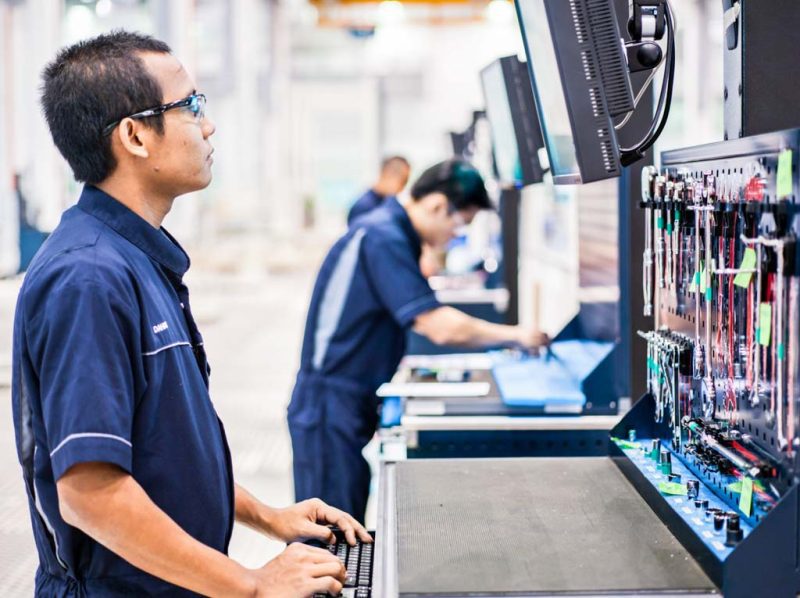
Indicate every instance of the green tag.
{"type": "Point", "coordinates": [764, 323]}
{"type": "Point", "coordinates": [709, 295]}
{"type": "Point", "coordinates": [677, 215]}
{"type": "Point", "coordinates": [784, 174]}
{"type": "Point", "coordinates": [735, 487]}
{"type": "Point", "coordinates": [743, 279]}
{"type": "Point", "coordinates": [746, 498]}
{"type": "Point", "coordinates": [660, 222]}
{"type": "Point", "coordinates": [672, 488]}
{"type": "Point", "coordinates": [626, 444]}
{"type": "Point", "coordinates": [703, 282]}
{"type": "Point", "coordinates": [781, 352]}
{"type": "Point", "coordinates": [695, 280]}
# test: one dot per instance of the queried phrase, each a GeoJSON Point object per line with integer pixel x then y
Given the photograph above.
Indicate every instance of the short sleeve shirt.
{"type": "Point", "coordinates": [368, 293]}
{"type": "Point", "coordinates": [109, 366]}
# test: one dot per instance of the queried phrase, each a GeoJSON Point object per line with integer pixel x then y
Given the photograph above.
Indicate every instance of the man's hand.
{"type": "Point", "coordinates": [300, 570]}
{"type": "Point", "coordinates": [530, 339]}
{"type": "Point", "coordinates": [307, 520]}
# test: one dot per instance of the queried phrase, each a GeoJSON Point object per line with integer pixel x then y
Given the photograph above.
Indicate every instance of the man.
{"type": "Point", "coordinates": [125, 462]}
{"type": "Point", "coordinates": [392, 180]}
{"type": "Point", "coordinates": [368, 293]}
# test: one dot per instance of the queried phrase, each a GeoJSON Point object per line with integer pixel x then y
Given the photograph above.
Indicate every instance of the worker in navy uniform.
{"type": "Point", "coordinates": [369, 292]}
{"type": "Point", "coordinates": [125, 463]}
{"type": "Point", "coordinates": [392, 180]}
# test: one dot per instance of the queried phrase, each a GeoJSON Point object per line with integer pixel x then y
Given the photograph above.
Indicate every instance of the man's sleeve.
{"type": "Point", "coordinates": [85, 343]}
{"type": "Point", "coordinates": [397, 280]}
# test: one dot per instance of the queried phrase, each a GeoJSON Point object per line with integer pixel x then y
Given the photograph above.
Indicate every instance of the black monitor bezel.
{"type": "Point", "coordinates": [524, 117]}
{"type": "Point", "coordinates": [584, 121]}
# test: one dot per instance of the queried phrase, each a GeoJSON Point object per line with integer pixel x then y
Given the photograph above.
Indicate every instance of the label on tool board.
{"type": "Point", "coordinates": [764, 323]}
{"type": "Point", "coordinates": [746, 498]}
{"type": "Point", "coordinates": [784, 174]}
{"type": "Point", "coordinates": [743, 279]}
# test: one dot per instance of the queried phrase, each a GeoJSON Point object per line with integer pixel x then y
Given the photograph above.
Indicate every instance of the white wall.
{"type": "Point", "coordinates": [9, 218]}
{"type": "Point", "coordinates": [426, 78]}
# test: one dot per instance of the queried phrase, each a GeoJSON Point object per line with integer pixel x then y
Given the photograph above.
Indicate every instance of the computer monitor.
{"type": "Point", "coordinates": [516, 136]}
{"type": "Point", "coordinates": [461, 143]}
{"type": "Point", "coordinates": [580, 81]}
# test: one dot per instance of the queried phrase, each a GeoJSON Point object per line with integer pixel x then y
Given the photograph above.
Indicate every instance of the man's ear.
{"type": "Point", "coordinates": [133, 136]}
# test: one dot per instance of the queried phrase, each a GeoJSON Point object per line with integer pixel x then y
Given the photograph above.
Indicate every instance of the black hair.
{"type": "Point", "coordinates": [92, 84]}
{"type": "Point", "coordinates": [456, 179]}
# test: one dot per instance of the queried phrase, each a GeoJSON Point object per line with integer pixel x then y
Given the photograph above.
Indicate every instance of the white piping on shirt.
{"type": "Point", "coordinates": [157, 351]}
{"type": "Point", "coordinates": [46, 521]}
{"type": "Point", "coordinates": [87, 435]}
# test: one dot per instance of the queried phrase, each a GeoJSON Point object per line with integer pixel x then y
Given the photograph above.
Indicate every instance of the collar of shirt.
{"type": "Point", "coordinates": [401, 216]}
{"type": "Point", "coordinates": [157, 243]}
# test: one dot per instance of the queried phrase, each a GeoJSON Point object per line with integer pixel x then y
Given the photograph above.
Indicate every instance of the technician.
{"type": "Point", "coordinates": [125, 462]}
{"type": "Point", "coordinates": [368, 293]}
{"type": "Point", "coordinates": [392, 180]}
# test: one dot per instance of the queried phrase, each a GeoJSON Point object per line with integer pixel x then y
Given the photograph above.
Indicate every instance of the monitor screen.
{"type": "Point", "coordinates": [550, 100]}
{"type": "Point", "coordinates": [498, 110]}
{"type": "Point", "coordinates": [580, 80]}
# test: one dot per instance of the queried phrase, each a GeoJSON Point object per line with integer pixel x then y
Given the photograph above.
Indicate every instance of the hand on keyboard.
{"type": "Point", "coordinates": [358, 562]}
{"type": "Point", "coordinates": [300, 570]}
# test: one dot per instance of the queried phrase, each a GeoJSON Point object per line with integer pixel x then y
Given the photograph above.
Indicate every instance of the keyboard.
{"type": "Point", "coordinates": [358, 562]}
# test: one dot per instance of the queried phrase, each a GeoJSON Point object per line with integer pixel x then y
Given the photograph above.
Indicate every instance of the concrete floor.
{"type": "Point", "coordinates": [251, 312]}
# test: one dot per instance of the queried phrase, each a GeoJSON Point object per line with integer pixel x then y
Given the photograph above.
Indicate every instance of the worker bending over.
{"type": "Point", "coordinates": [368, 293]}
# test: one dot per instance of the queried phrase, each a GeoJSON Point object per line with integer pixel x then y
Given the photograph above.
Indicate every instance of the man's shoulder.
{"type": "Point", "coordinates": [81, 250]}
{"type": "Point", "coordinates": [381, 226]}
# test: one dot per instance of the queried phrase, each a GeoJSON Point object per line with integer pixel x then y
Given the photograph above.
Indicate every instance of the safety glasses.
{"type": "Point", "coordinates": [195, 104]}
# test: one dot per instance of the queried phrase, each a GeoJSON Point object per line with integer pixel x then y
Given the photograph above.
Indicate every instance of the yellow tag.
{"type": "Point", "coordinates": [784, 174]}
{"type": "Point", "coordinates": [743, 279]}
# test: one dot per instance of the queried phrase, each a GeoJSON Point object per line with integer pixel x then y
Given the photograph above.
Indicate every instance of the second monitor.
{"type": "Point", "coordinates": [516, 136]}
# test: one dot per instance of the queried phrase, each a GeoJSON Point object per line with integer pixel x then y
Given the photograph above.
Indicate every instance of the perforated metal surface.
{"type": "Point", "coordinates": [552, 525]}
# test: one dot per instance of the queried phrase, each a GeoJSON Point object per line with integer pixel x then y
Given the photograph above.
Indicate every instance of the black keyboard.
{"type": "Point", "coordinates": [358, 562]}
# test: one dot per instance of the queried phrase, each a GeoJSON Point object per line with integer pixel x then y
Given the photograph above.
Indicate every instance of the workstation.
{"type": "Point", "coordinates": [562, 401]}
{"type": "Point", "coordinates": [553, 343]}
{"type": "Point", "coordinates": [697, 492]}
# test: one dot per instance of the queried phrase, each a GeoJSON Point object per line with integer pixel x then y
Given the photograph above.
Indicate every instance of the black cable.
{"type": "Point", "coordinates": [660, 129]}
{"type": "Point", "coordinates": [635, 152]}
{"type": "Point", "coordinates": [632, 154]}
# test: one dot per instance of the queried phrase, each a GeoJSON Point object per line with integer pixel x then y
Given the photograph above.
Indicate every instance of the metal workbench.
{"type": "Point", "coordinates": [523, 527]}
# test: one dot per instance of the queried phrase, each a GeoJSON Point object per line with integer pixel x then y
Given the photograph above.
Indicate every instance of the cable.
{"type": "Point", "coordinates": [639, 95]}
{"type": "Point", "coordinates": [631, 154]}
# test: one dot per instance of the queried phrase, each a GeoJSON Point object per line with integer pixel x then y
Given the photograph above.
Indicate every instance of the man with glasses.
{"type": "Point", "coordinates": [125, 462]}
{"type": "Point", "coordinates": [369, 291]}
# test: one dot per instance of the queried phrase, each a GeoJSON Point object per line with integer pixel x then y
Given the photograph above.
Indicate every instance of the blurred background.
{"type": "Point", "coordinates": [308, 97]}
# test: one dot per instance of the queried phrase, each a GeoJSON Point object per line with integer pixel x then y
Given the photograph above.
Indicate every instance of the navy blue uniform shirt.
{"type": "Point", "coordinates": [368, 292]}
{"type": "Point", "coordinates": [109, 366]}
{"type": "Point", "coordinates": [364, 204]}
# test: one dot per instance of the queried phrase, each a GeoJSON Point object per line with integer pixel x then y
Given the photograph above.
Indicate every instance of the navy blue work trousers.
{"type": "Point", "coordinates": [331, 420]}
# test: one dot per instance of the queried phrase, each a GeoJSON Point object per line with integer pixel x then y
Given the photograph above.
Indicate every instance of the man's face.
{"type": "Point", "coordinates": [440, 223]}
{"type": "Point", "coordinates": [179, 161]}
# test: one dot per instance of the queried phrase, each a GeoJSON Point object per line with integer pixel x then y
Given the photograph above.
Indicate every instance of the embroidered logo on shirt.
{"type": "Point", "coordinates": [160, 327]}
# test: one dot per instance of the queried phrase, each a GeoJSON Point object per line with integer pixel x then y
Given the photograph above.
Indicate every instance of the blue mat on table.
{"type": "Point", "coordinates": [553, 383]}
